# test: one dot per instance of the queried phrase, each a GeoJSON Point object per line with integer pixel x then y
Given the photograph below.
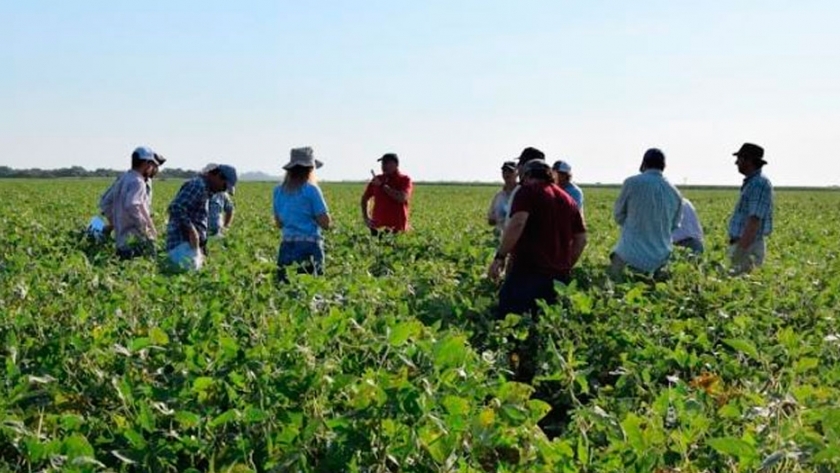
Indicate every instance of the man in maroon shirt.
{"type": "Point", "coordinates": [391, 192]}
{"type": "Point", "coordinates": [545, 236]}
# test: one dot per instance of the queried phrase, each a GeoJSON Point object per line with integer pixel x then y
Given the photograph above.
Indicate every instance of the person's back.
{"type": "Point", "coordinates": [648, 211]}
{"type": "Point", "coordinates": [297, 209]}
{"type": "Point", "coordinates": [130, 209]}
{"type": "Point", "coordinates": [553, 219]}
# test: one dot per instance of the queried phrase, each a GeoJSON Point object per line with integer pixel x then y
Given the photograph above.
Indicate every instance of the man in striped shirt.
{"type": "Point", "coordinates": [752, 219]}
{"type": "Point", "coordinates": [648, 210]}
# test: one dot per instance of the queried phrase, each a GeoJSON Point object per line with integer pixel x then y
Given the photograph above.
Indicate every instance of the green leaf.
{"type": "Point", "coordinates": [400, 333]}
{"type": "Point", "coordinates": [632, 427]}
{"type": "Point", "coordinates": [158, 336]}
{"type": "Point", "coordinates": [733, 446]}
{"type": "Point", "coordinates": [187, 419]}
{"type": "Point", "coordinates": [229, 415]}
{"type": "Point", "coordinates": [202, 383]}
{"type": "Point", "coordinates": [805, 364]}
{"type": "Point", "coordinates": [451, 351]}
{"type": "Point", "coordinates": [744, 346]}
{"type": "Point", "coordinates": [139, 343]}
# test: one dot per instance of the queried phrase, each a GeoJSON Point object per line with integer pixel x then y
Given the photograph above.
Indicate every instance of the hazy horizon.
{"type": "Point", "coordinates": [455, 88]}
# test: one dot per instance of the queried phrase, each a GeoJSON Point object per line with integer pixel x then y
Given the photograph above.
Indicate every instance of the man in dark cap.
{"type": "Point", "coordinates": [187, 226]}
{"type": "Point", "coordinates": [544, 239]}
{"type": "Point", "coordinates": [752, 219]}
{"type": "Point", "coordinates": [391, 193]}
{"type": "Point", "coordinates": [648, 209]}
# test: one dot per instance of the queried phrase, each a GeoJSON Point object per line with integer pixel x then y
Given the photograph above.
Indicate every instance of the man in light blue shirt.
{"type": "Point", "coordinates": [752, 219]}
{"type": "Point", "coordinates": [563, 178]}
{"type": "Point", "coordinates": [648, 210]}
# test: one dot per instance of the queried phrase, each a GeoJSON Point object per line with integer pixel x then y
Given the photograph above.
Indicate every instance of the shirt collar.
{"type": "Point", "coordinates": [749, 177]}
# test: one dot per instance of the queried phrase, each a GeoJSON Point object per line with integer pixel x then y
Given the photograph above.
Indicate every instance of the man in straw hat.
{"type": "Point", "coordinates": [300, 212]}
{"type": "Point", "coordinates": [752, 219]}
{"type": "Point", "coordinates": [390, 192]}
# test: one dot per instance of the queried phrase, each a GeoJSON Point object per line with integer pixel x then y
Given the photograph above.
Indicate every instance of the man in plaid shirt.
{"type": "Point", "coordinates": [752, 219]}
{"type": "Point", "coordinates": [188, 210]}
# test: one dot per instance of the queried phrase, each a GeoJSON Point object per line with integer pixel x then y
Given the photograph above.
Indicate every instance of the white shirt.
{"type": "Point", "coordinates": [689, 225]}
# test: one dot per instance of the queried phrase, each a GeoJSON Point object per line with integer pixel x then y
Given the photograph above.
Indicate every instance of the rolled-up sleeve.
{"type": "Point", "coordinates": [187, 197]}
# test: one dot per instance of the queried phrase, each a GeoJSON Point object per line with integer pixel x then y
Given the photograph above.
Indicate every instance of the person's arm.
{"type": "Point", "coordinates": [510, 236]}
{"type": "Point", "coordinates": [179, 213]}
{"type": "Point", "coordinates": [578, 244]}
{"type": "Point", "coordinates": [398, 195]}
{"type": "Point", "coordinates": [365, 211]}
{"type": "Point", "coordinates": [324, 221]}
{"type": "Point", "coordinates": [491, 213]}
{"type": "Point", "coordinates": [750, 232]}
{"type": "Point", "coordinates": [136, 200]}
{"type": "Point", "coordinates": [228, 218]}
{"type": "Point", "coordinates": [620, 208]}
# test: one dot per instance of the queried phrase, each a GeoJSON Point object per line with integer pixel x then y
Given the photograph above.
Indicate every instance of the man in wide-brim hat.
{"type": "Point", "coordinates": [752, 219]}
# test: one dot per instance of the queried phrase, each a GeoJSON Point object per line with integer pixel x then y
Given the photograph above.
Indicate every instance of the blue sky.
{"type": "Point", "coordinates": [454, 88]}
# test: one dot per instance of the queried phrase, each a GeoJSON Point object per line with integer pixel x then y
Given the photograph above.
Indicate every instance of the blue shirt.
{"type": "Point", "coordinates": [189, 207]}
{"type": "Point", "coordinates": [298, 209]}
{"type": "Point", "coordinates": [576, 193]}
{"type": "Point", "coordinates": [648, 209]}
{"type": "Point", "coordinates": [756, 201]}
{"type": "Point", "coordinates": [220, 205]}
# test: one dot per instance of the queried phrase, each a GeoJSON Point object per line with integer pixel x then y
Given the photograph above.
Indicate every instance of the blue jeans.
{"type": "Point", "coordinates": [308, 254]}
{"type": "Point", "coordinates": [520, 292]}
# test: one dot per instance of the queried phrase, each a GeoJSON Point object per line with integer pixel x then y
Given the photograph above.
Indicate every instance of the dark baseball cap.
{"type": "Point", "coordinates": [509, 166]}
{"type": "Point", "coordinates": [529, 154]}
{"type": "Point", "coordinates": [537, 167]}
{"type": "Point", "coordinates": [390, 157]}
{"type": "Point", "coordinates": [752, 151]}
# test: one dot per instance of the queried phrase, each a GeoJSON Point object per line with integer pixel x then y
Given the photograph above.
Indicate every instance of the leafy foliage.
{"type": "Point", "coordinates": [393, 361]}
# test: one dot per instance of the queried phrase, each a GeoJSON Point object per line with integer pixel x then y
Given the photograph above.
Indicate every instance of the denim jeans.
{"type": "Point", "coordinates": [308, 254]}
{"type": "Point", "coordinates": [520, 292]}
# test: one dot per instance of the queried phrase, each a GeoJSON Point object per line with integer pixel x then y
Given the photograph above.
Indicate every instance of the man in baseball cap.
{"type": "Point", "coordinates": [563, 178]}
{"type": "Point", "coordinates": [391, 193]}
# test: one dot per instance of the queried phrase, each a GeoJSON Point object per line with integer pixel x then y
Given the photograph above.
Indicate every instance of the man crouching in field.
{"type": "Point", "coordinates": [186, 232]}
{"type": "Point", "coordinates": [127, 206]}
{"type": "Point", "coordinates": [544, 237]}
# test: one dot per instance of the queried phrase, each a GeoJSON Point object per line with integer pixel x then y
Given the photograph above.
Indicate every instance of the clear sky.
{"type": "Point", "coordinates": [454, 87]}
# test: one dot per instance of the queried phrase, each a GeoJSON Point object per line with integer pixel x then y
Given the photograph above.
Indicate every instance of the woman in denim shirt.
{"type": "Point", "coordinates": [300, 212]}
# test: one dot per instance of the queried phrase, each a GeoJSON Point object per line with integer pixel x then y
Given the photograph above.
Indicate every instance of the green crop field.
{"type": "Point", "coordinates": [392, 360]}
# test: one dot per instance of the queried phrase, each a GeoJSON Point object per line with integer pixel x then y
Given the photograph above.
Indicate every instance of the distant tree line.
{"type": "Point", "coordinates": [78, 171]}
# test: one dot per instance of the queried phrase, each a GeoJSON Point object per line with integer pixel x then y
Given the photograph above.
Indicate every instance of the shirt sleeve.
{"type": "Point", "coordinates": [620, 208]}
{"type": "Point", "coordinates": [760, 202]}
{"type": "Point", "coordinates": [521, 201]}
{"type": "Point", "coordinates": [369, 191]}
{"type": "Point", "coordinates": [404, 185]}
{"type": "Point", "coordinates": [578, 225]}
{"type": "Point", "coordinates": [319, 205]}
{"type": "Point", "coordinates": [106, 202]}
{"type": "Point", "coordinates": [228, 203]}
{"type": "Point", "coordinates": [179, 208]}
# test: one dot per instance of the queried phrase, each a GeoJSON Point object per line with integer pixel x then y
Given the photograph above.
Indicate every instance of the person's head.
{"type": "Point", "coordinates": [749, 158]}
{"type": "Point", "coordinates": [390, 163]}
{"type": "Point", "coordinates": [143, 161]}
{"type": "Point", "coordinates": [300, 168]}
{"type": "Point", "coordinates": [528, 154]}
{"type": "Point", "coordinates": [509, 173]}
{"type": "Point", "coordinates": [562, 173]}
{"type": "Point", "coordinates": [654, 158]}
{"type": "Point", "coordinates": [536, 170]}
{"type": "Point", "coordinates": [159, 160]}
{"type": "Point", "coordinates": [221, 177]}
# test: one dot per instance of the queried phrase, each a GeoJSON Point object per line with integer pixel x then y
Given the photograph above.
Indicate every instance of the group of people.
{"type": "Point", "coordinates": [537, 215]}
{"type": "Point", "coordinates": [201, 208]}
{"type": "Point", "coordinates": [539, 219]}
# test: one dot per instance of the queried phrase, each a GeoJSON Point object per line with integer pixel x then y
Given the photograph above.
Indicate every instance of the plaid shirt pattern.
{"type": "Point", "coordinates": [756, 200]}
{"type": "Point", "coordinates": [189, 207]}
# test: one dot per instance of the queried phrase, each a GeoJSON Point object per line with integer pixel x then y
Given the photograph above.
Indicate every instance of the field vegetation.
{"type": "Point", "coordinates": [393, 362]}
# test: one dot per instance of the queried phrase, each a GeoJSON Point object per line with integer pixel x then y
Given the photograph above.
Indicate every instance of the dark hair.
{"type": "Point", "coordinates": [296, 176]}
{"type": "Point", "coordinates": [654, 158]}
{"type": "Point", "coordinates": [136, 161]}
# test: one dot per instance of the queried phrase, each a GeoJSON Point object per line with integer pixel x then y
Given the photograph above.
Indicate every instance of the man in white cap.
{"type": "Point", "coordinates": [106, 202]}
{"type": "Point", "coordinates": [127, 206]}
{"type": "Point", "coordinates": [188, 210]}
{"type": "Point", "coordinates": [563, 178]}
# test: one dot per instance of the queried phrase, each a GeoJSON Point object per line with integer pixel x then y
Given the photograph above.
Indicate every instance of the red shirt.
{"type": "Point", "coordinates": [387, 212]}
{"type": "Point", "coordinates": [546, 242]}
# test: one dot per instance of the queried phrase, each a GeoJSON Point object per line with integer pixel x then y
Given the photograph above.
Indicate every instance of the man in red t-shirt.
{"type": "Point", "coordinates": [545, 236]}
{"type": "Point", "coordinates": [391, 192]}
